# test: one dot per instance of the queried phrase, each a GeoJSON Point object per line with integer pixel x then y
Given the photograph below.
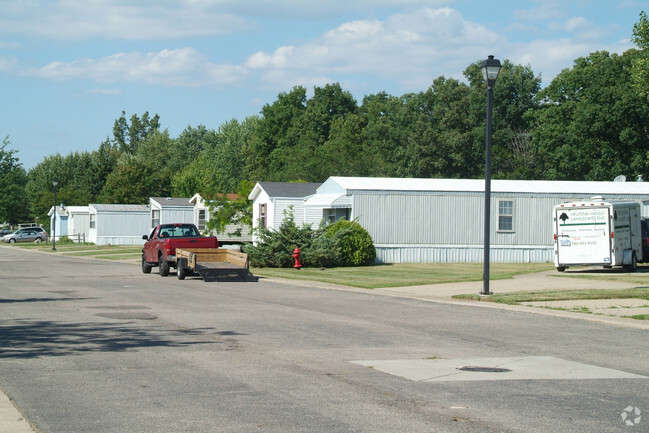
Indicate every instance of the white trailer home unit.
{"type": "Point", "coordinates": [271, 199]}
{"type": "Point", "coordinates": [119, 224]}
{"type": "Point", "coordinates": [441, 220]}
{"type": "Point", "coordinates": [58, 221]}
{"type": "Point", "coordinates": [597, 232]}
{"type": "Point", "coordinates": [78, 223]}
{"type": "Point", "coordinates": [71, 221]}
{"type": "Point", "coordinates": [166, 210]}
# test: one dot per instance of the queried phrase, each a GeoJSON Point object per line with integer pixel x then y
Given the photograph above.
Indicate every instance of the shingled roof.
{"type": "Point", "coordinates": [289, 189]}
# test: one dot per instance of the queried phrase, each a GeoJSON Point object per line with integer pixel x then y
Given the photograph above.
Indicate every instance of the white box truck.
{"type": "Point", "coordinates": [597, 232]}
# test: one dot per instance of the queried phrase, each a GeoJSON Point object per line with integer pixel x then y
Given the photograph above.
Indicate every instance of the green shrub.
{"type": "Point", "coordinates": [275, 248]}
{"type": "Point", "coordinates": [343, 243]}
{"type": "Point", "coordinates": [356, 246]}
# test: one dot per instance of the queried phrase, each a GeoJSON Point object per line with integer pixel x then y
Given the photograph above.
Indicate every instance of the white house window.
{"type": "Point", "coordinates": [92, 220]}
{"type": "Point", "coordinates": [155, 218]}
{"type": "Point", "coordinates": [330, 215]}
{"type": "Point", "coordinates": [262, 214]}
{"type": "Point", "coordinates": [506, 215]}
{"type": "Point", "coordinates": [201, 219]}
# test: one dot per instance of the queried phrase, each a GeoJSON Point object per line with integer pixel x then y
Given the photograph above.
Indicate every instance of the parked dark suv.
{"type": "Point", "coordinates": [26, 234]}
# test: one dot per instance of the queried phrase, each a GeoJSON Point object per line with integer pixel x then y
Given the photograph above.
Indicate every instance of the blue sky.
{"type": "Point", "coordinates": [69, 67]}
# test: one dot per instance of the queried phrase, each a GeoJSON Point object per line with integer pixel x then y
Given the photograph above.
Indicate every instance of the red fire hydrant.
{"type": "Point", "coordinates": [296, 256]}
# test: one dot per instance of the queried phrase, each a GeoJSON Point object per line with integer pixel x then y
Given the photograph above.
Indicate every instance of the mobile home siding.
{"type": "Point", "coordinates": [120, 224]}
{"type": "Point", "coordinates": [448, 227]}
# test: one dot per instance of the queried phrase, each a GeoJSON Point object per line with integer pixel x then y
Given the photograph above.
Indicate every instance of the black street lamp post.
{"type": "Point", "coordinates": [55, 183]}
{"type": "Point", "coordinates": [490, 69]}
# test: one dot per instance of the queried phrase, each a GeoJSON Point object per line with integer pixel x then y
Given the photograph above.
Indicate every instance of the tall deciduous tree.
{"type": "Point", "coordinates": [128, 136]}
{"type": "Point", "coordinates": [592, 124]}
{"type": "Point", "coordinates": [640, 65]}
{"type": "Point", "coordinates": [73, 173]}
{"type": "Point", "coordinates": [13, 178]}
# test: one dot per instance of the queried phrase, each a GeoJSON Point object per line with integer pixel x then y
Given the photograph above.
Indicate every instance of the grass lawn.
{"type": "Point", "coordinates": [560, 295]}
{"type": "Point", "coordinates": [403, 274]}
{"type": "Point", "coordinates": [111, 252]}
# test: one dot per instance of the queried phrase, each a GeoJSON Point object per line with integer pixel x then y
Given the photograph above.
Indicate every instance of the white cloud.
{"type": "Point", "coordinates": [412, 48]}
{"type": "Point", "coordinates": [183, 67]}
{"type": "Point", "coordinates": [117, 19]}
{"type": "Point", "coordinates": [168, 19]}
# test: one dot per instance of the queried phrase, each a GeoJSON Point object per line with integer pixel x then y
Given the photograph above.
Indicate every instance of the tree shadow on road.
{"type": "Point", "coordinates": [37, 338]}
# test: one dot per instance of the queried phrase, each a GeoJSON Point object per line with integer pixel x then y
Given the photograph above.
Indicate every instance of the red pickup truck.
{"type": "Point", "coordinates": [160, 247]}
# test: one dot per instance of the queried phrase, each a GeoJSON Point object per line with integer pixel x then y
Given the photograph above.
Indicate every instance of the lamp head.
{"type": "Point", "coordinates": [490, 69]}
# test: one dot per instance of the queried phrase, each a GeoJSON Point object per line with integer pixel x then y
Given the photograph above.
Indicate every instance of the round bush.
{"type": "Point", "coordinates": [356, 246]}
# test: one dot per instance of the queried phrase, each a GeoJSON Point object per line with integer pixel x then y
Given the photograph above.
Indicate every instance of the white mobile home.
{"type": "Point", "coordinates": [119, 224]}
{"type": "Point", "coordinates": [78, 223]}
{"type": "Point", "coordinates": [442, 220]}
{"type": "Point", "coordinates": [167, 210]}
{"type": "Point", "coordinates": [58, 221]}
{"type": "Point", "coordinates": [202, 216]}
{"type": "Point", "coordinates": [270, 201]}
{"type": "Point", "coordinates": [71, 221]}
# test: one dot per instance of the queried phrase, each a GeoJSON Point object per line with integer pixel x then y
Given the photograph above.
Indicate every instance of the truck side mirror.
{"type": "Point", "coordinates": [145, 237]}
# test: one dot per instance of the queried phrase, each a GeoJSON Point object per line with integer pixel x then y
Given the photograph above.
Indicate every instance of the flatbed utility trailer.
{"type": "Point", "coordinates": [213, 264]}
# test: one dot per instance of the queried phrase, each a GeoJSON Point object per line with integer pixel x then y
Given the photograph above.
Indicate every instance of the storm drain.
{"type": "Point", "coordinates": [484, 369]}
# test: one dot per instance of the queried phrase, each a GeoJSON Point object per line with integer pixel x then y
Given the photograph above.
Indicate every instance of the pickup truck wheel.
{"type": "Point", "coordinates": [164, 267]}
{"type": "Point", "coordinates": [146, 268]}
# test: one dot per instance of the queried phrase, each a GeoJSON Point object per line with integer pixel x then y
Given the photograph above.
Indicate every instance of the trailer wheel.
{"type": "Point", "coordinates": [146, 268]}
{"type": "Point", "coordinates": [181, 269]}
{"type": "Point", "coordinates": [163, 268]}
{"type": "Point", "coordinates": [633, 266]}
{"type": "Point", "coordinates": [561, 268]}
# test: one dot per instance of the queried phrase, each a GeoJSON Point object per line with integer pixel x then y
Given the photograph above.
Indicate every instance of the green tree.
{"type": "Point", "coordinates": [387, 121]}
{"type": "Point", "coordinates": [74, 188]}
{"type": "Point", "coordinates": [129, 136]}
{"type": "Point", "coordinates": [277, 118]}
{"type": "Point", "coordinates": [103, 162]}
{"type": "Point", "coordinates": [231, 210]}
{"type": "Point", "coordinates": [640, 64]}
{"type": "Point", "coordinates": [13, 179]}
{"type": "Point", "coordinates": [133, 181]}
{"type": "Point", "coordinates": [591, 124]}
{"type": "Point", "coordinates": [441, 141]}
{"type": "Point", "coordinates": [221, 165]}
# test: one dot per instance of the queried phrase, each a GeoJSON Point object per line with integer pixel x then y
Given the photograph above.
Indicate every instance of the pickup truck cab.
{"type": "Point", "coordinates": [160, 246]}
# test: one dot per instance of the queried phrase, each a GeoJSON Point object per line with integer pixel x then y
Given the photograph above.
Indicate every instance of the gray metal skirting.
{"type": "Point", "coordinates": [463, 254]}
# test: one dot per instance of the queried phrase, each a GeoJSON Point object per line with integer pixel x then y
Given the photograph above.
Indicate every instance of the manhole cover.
{"type": "Point", "coordinates": [484, 369]}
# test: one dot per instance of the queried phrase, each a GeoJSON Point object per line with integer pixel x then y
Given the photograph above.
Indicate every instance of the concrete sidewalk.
{"type": "Point", "coordinates": [11, 420]}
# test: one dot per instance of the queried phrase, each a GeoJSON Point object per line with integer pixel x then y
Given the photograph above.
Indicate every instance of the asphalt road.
{"type": "Point", "coordinates": [96, 346]}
